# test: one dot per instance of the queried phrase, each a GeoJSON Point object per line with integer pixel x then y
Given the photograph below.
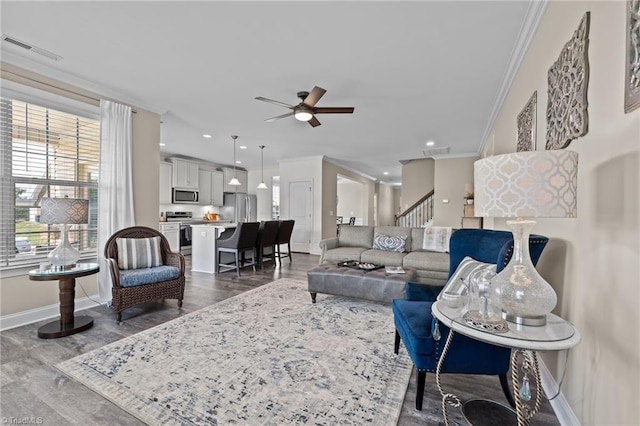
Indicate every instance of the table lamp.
{"type": "Point", "coordinates": [64, 212]}
{"type": "Point", "coordinates": [531, 184]}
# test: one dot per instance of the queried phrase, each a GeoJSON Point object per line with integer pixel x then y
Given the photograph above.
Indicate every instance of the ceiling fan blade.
{"type": "Point", "coordinates": [333, 110]}
{"type": "Point", "coordinates": [289, 114]}
{"type": "Point", "coordinates": [314, 96]}
{"type": "Point", "coordinates": [260, 98]}
{"type": "Point", "coordinates": [314, 122]}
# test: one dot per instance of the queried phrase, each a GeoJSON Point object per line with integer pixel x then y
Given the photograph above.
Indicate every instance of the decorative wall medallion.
{"type": "Point", "coordinates": [568, 78]}
{"type": "Point", "coordinates": [632, 64]}
{"type": "Point", "coordinates": [527, 125]}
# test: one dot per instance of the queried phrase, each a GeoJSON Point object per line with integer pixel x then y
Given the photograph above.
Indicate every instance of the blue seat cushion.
{"type": "Point", "coordinates": [413, 321]}
{"type": "Point", "coordinates": [136, 277]}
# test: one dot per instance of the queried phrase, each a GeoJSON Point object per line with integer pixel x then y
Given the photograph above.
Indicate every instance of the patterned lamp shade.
{"type": "Point", "coordinates": [66, 211]}
{"type": "Point", "coordinates": [531, 184]}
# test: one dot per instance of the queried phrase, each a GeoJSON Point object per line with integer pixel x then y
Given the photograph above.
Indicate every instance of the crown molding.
{"type": "Point", "coordinates": [348, 168]}
{"type": "Point", "coordinates": [529, 28]}
{"type": "Point", "coordinates": [101, 91]}
{"type": "Point", "coordinates": [460, 155]}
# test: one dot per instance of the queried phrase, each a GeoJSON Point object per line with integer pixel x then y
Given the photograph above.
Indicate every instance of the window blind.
{"type": "Point", "coordinates": [44, 153]}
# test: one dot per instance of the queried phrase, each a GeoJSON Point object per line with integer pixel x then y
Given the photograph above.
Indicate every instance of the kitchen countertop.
{"type": "Point", "coordinates": [197, 222]}
{"type": "Point", "coordinates": [217, 224]}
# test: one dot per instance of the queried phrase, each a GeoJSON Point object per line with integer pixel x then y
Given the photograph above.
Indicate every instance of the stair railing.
{"type": "Point", "coordinates": [418, 214]}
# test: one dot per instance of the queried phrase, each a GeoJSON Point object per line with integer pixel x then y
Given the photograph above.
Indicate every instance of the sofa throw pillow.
{"type": "Point", "coordinates": [136, 253]}
{"type": "Point", "coordinates": [467, 271]}
{"type": "Point", "coordinates": [395, 243]}
{"type": "Point", "coordinates": [436, 238]}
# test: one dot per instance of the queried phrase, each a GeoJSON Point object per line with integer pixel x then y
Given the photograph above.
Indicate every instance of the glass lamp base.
{"type": "Point", "coordinates": [65, 255]}
{"type": "Point", "coordinates": [523, 295]}
{"type": "Point", "coordinates": [538, 320]}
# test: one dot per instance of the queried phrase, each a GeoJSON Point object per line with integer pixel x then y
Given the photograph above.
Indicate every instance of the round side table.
{"type": "Point", "coordinates": [556, 335]}
{"type": "Point", "coordinates": [68, 323]}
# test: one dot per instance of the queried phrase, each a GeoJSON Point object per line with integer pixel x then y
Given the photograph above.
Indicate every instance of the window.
{"type": "Point", "coordinates": [44, 153]}
{"type": "Point", "coordinates": [275, 197]}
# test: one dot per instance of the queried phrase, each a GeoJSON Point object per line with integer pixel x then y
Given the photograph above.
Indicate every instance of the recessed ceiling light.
{"type": "Point", "coordinates": [242, 147]}
{"type": "Point", "coordinates": [238, 162]}
{"type": "Point", "coordinates": [162, 144]}
{"type": "Point", "coordinates": [206, 136]}
{"type": "Point", "coordinates": [430, 143]}
{"type": "Point", "coordinates": [385, 173]}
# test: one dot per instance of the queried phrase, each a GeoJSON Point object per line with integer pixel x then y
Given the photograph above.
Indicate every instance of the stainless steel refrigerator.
{"type": "Point", "coordinates": [239, 207]}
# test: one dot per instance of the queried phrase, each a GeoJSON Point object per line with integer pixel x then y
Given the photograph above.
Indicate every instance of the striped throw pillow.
{"type": "Point", "coordinates": [137, 253]}
{"type": "Point", "coordinates": [468, 270]}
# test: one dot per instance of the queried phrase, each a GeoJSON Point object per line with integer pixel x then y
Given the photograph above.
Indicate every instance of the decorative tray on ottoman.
{"type": "Point", "coordinates": [365, 266]}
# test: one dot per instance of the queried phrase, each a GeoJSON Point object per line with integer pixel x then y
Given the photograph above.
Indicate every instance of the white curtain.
{"type": "Point", "coordinates": [115, 195]}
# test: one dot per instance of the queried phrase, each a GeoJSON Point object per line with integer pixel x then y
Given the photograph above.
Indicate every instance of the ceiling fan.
{"type": "Point", "coordinates": [306, 110]}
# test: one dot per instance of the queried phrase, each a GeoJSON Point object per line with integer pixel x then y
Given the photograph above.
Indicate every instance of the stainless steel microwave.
{"type": "Point", "coordinates": [184, 196]}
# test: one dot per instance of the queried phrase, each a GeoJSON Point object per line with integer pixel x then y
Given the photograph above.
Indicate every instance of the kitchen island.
{"type": "Point", "coordinates": [204, 245]}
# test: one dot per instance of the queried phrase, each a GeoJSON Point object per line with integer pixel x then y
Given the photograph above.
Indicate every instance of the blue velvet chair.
{"type": "Point", "coordinates": [413, 318]}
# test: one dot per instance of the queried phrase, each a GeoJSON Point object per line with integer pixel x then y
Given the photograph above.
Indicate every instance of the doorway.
{"type": "Point", "coordinates": [351, 203]}
{"type": "Point", "coordinates": [301, 210]}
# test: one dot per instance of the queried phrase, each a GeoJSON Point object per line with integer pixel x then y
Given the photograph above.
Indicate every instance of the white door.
{"type": "Point", "coordinates": [300, 208]}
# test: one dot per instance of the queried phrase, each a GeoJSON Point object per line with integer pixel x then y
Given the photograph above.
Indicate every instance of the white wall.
{"type": "Point", "coordinates": [330, 172]}
{"type": "Point", "coordinates": [397, 200]}
{"type": "Point", "coordinates": [350, 202]}
{"type": "Point", "coordinates": [592, 261]}
{"type": "Point", "coordinates": [451, 176]}
{"type": "Point", "coordinates": [385, 205]}
{"type": "Point", "coordinates": [417, 181]}
{"type": "Point", "coordinates": [264, 196]}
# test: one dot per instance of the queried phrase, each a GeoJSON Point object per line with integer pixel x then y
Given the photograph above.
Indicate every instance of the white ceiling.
{"type": "Point", "coordinates": [414, 71]}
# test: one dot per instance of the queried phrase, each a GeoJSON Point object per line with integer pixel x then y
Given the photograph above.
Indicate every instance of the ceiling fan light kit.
{"type": "Point", "coordinates": [303, 115]}
{"type": "Point", "coordinates": [307, 110]}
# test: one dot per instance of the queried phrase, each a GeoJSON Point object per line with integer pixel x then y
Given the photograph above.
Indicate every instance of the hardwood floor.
{"type": "Point", "coordinates": [31, 387]}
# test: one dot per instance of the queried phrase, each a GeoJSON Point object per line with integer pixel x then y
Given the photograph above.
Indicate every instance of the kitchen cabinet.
{"type": "Point", "coordinates": [185, 174]}
{"type": "Point", "coordinates": [217, 188]}
{"type": "Point", "coordinates": [211, 187]}
{"type": "Point", "coordinates": [171, 231]}
{"type": "Point", "coordinates": [165, 183]}
{"type": "Point", "coordinates": [242, 177]}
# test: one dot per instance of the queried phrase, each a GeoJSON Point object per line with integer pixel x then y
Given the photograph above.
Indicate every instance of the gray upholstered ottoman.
{"type": "Point", "coordinates": [376, 285]}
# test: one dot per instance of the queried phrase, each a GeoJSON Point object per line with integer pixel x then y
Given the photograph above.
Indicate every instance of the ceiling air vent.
{"type": "Point", "coordinates": [435, 151]}
{"type": "Point", "coordinates": [31, 48]}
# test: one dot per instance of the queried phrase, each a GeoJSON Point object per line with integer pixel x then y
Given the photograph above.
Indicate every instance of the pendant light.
{"type": "Point", "coordinates": [234, 181]}
{"type": "Point", "coordinates": [262, 185]}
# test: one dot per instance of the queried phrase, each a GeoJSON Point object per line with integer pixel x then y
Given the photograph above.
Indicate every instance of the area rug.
{"type": "Point", "coordinates": [267, 356]}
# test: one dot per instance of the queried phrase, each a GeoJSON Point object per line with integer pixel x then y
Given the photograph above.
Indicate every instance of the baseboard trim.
{"type": "Point", "coordinates": [10, 321]}
{"type": "Point", "coordinates": [560, 405]}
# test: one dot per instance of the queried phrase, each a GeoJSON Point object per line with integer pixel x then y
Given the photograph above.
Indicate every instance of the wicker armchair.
{"type": "Point", "coordinates": [145, 287]}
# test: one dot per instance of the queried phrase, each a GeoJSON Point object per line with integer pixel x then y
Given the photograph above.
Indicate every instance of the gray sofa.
{"type": "Point", "coordinates": [356, 243]}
